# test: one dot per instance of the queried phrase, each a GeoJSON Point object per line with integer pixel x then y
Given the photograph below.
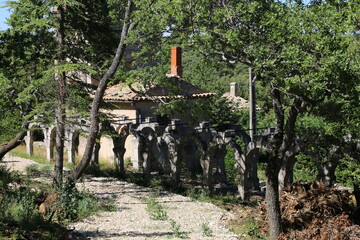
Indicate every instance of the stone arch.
{"type": "Point", "coordinates": [241, 167]}
{"type": "Point", "coordinates": [211, 162]}
{"type": "Point", "coordinates": [35, 134]}
{"type": "Point", "coordinates": [191, 152]}
{"type": "Point", "coordinates": [106, 150]}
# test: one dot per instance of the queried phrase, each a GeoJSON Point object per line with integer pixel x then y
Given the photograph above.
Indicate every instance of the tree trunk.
{"type": "Point", "coordinates": [273, 167]}
{"type": "Point", "coordinates": [356, 193]}
{"type": "Point", "coordinates": [282, 142]}
{"type": "Point", "coordinates": [287, 168]}
{"type": "Point", "coordinates": [16, 141]}
{"type": "Point", "coordinates": [272, 198]}
{"type": "Point", "coordinates": [94, 114]}
{"type": "Point", "coordinates": [60, 117]}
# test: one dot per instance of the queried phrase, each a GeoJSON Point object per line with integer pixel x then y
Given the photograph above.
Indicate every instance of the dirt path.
{"type": "Point", "coordinates": [190, 219]}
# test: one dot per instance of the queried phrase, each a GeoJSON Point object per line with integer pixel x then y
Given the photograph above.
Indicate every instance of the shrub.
{"type": "Point", "coordinates": [155, 209]}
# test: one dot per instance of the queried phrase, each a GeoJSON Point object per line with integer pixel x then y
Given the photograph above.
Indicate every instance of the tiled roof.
{"type": "Point", "coordinates": [180, 89]}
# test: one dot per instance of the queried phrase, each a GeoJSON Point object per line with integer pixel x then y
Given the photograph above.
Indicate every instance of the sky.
{"type": "Point", "coordinates": [4, 13]}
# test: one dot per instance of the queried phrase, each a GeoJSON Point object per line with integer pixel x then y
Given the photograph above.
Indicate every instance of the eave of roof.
{"type": "Point", "coordinates": [125, 93]}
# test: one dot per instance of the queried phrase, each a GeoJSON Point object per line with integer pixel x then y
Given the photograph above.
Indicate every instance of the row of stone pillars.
{"type": "Point", "coordinates": [171, 142]}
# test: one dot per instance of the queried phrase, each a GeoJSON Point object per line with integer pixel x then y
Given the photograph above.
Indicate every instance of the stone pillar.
{"type": "Point", "coordinates": [47, 142]}
{"type": "Point", "coordinates": [219, 159]}
{"type": "Point", "coordinates": [49, 153]}
{"type": "Point", "coordinates": [174, 158]}
{"type": "Point", "coordinates": [119, 151]}
{"type": "Point", "coordinates": [29, 143]}
{"type": "Point", "coordinates": [163, 155]}
{"type": "Point", "coordinates": [242, 169]}
{"type": "Point", "coordinates": [175, 163]}
{"type": "Point", "coordinates": [145, 155]}
{"type": "Point", "coordinates": [252, 159]}
{"type": "Point", "coordinates": [95, 155]}
{"type": "Point", "coordinates": [70, 147]}
{"type": "Point", "coordinates": [137, 162]}
{"type": "Point", "coordinates": [70, 152]}
{"type": "Point", "coordinates": [207, 165]}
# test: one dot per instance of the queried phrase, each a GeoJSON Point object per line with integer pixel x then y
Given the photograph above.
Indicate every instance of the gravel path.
{"type": "Point", "coordinates": [132, 221]}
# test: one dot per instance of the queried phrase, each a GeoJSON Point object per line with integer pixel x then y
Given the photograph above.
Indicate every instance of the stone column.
{"type": "Point", "coordinates": [252, 159]}
{"type": "Point", "coordinates": [145, 155]}
{"type": "Point", "coordinates": [95, 155]}
{"type": "Point", "coordinates": [47, 142]}
{"type": "Point", "coordinates": [163, 155]}
{"type": "Point", "coordinates": [70, 147]}
{"type": "Point", "coordinates": [207, 165]}
{"type": "Point", "coordinates": [29, 143]}
{"type": "Point", "coordinates": [119, 151]}
{"type": "Point", "coordinates": [219, 159]}
{"type": "Point", "coordinates": [174, 158]}
{"type": "Point", "coordinates": [137, 162]}
{"type": "Point", "coordinates": [242, 170]}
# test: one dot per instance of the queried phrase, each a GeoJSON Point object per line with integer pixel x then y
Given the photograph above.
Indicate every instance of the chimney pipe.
{"type": "Point", "coordinates": [233, 89]}
{"type": "Point", "coordinates": [176, 67]}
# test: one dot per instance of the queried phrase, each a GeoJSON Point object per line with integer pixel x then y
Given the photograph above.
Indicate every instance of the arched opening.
{"type": "Point", "coordinates": [35, 141]}
{"type": "Point", "coordinates": [38, 135]}
{"type": "Point", "coordinates": [106, 153]}
{"type": "Point", "coordinates": [129, 157]}
{"type": "Point", "coordinates": [190, 159]}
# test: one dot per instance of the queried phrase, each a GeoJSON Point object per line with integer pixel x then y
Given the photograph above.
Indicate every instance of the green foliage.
{"type": "Point", "coordinates": [348, 172]}
{"type": "Point", "coordinates": [206, 230]}
{"type": "Point", "coordinates": [66, 204]}
{"type": "Point", "coordinates": [155, 209]}
{"type": "Point", "coordinates": [251, 229]}
{"type": "Point", "coordinates": [214, 75]}
{"type": "Point", "coordinates": [304, 169]}
{"type": "Point", "coordinates": [261, 171]}
{"type": "Point", "coordinates": [175, 228]}
{"type": "Point", "coordinates": [72, 204]}
{"type": "Point", "coordinates": [19, 214]}
{"type": "Point", "coordinates": [230, 169]}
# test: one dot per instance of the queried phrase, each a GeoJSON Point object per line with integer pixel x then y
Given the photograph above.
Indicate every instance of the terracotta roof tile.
{"type": "Point", "coordinates": [178, 89]}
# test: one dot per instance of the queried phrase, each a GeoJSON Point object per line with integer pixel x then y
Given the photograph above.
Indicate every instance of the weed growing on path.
{"type": "Point", "coordinates": [206, 230]}
{"type": "Point", "coordinates": [175, 228]}
{"type": "Point", "coordinates": [155, 209]}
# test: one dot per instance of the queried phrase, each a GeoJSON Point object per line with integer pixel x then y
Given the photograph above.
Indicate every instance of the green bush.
{"type": "Point", "coordinates": [304, 169]}
{"type": "Point", "coordinates": [206, 230]}
{"type": "Point", "coordinates": [230, 169]}
{"type": "Point", "coordinates": [155, 209]}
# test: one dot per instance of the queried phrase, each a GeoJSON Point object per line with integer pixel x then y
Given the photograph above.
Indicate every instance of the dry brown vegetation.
{"type": "Point", "coordinates": [309, 211]}
{"type": "Point", "coordinates": [312, 211]}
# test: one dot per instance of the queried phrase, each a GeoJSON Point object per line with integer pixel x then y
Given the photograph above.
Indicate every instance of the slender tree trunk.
{"type": "Point", "coordinates": [254, 154]}
{"type": "Point", "coordinates": [273, 167]}
{"type": "Point", "coordinates": [94, 114]}
{"type": "Point", "coordinates": [286, 169]}
{"type": "Point", "coordinates": [272, 197]}
{"type": "Point", "coordinates": [60, 114]}
{"type": "Point", "coordinates": [16, 141]}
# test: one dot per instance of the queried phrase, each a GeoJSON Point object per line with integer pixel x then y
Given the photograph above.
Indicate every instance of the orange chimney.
{"type": "Point", "coordinates": [176, 68]}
